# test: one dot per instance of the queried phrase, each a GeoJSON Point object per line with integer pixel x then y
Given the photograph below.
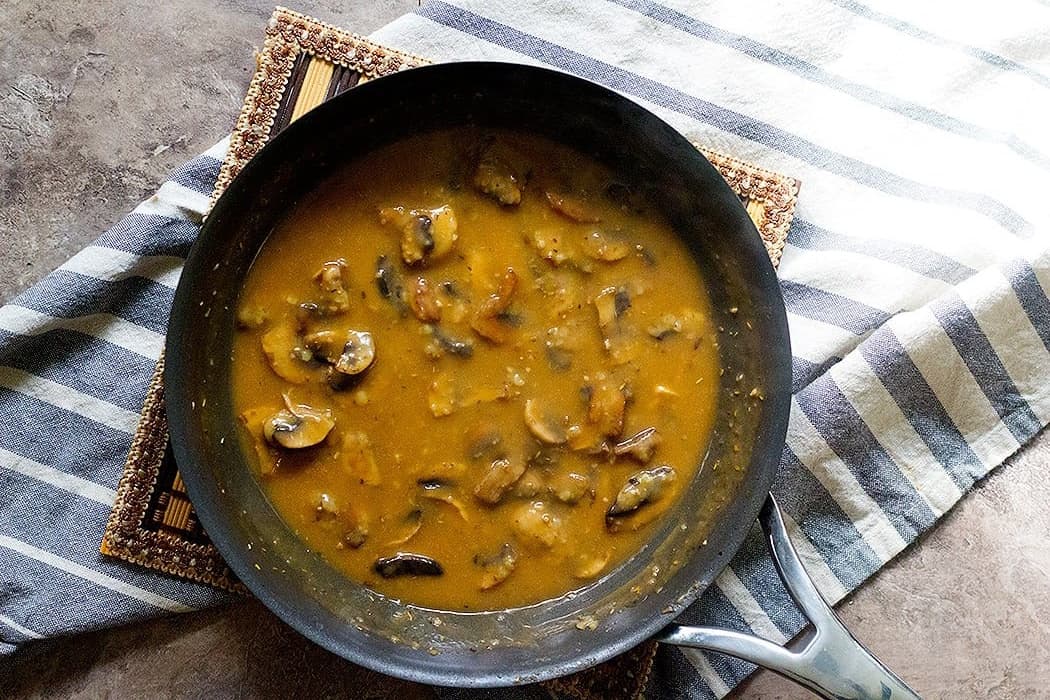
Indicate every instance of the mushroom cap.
{"type": "Point", "coordinates": [359, 352]}
{"type": "Point", "coordinates": [297, 427]}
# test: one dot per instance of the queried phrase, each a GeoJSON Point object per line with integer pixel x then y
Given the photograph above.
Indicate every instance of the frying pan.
{"type": "Point", "coordinates": [696, 538]}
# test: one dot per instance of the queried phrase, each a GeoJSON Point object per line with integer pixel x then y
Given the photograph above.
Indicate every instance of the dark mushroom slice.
{"type": "Point", "coordinates": [621, 301]}
{"type": "Point", "coordinates": [642, 488]}
{"type": "Point", "coordinates": [390, 284]}
{"type": "Point", "coordinates": [330, 279]}
{"type": "Point", "coordinates": [639, 446]}
{"type": "Point", "coordinates": [407, 564]}
{"type": "Point", "coordinates": [501, 475]}
{"type": "Point", "coordinates": [495, 568]}
{"type": "Point", "coordinates": [297, 426]}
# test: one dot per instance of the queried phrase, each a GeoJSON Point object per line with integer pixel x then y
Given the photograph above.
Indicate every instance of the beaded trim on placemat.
{"type": "Point", "coordinates": [303, 63]}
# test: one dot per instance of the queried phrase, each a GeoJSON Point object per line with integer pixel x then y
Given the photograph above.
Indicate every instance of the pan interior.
{"type": "Point", "coordinates": [697, 537]}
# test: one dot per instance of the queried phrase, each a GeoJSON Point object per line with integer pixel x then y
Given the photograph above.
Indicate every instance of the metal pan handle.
{"type": "Point", "coordinates": [831, 662]}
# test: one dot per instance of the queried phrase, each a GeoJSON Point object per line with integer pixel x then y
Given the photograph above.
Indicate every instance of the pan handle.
{"type": "Point", "coordinates": [831, 663]}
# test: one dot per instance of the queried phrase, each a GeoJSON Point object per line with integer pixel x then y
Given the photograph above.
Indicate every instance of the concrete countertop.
{"type": "Point", "coordinates": [98, 101]}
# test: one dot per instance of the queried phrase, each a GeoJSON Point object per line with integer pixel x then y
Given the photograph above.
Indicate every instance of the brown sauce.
{"type": "Point", "coordinates": [474, 370]}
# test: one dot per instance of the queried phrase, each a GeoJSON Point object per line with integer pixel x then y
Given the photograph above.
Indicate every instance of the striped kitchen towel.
{"type": "Point", "coordinates": [915, 276]}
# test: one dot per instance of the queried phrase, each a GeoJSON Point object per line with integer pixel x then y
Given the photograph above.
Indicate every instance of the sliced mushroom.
{"type": "Point", "coordinates": [605, 303]}
{"type": "Point", "coordinates": [530, 485]}
{"type": "Point", "coordinates": [417, 238]}
{"type": "Point", "coordinates": [355, 536]}
{"type": "Point", "coordinates": [412, 522]}
{"type": "Point", "coordinates": [407, 564]}
{"type": "Point", "coordinates": [298, 426]}
{"type": "Point", "coordinates": [501, 475]}
{"type": "Point", "coordinates": [251, 317]}
{"type": "Point", "coordinates": [483, 440]}
{"type": "Point", "coordinates": [639, 446]}
{"type": "Point", "coordinates": [558, 358]}
{"type": "Point", "coordinates": [543, 427]}
{"type": "Point", "coordinates": [441, 473]}
{"type": "Point", "coordinates": [620, 338]}
{"type": "Point", "coordinates": [426, 234]}
{"type": "Point", "coordinates": [325, 508]}
{"type": "Point", "coordinates": [497, 567]}
{"type": "Point", "coordinates": [572, 208]}
{"type": "Point", "coordinates": [605, 247]}
{"type": "Point", "coordinates": [606, 409]}
{"type": "Point", "coordinates": [443, 495]}
{"type": "Point", "coordinates": [550, 245]}
{"type": "Point", "coordinates": [476, 395]}
{"type": "Point", "coordinates": [487, 320]}
{"type": "Point", "coordinates": [425, 303]}
{"type": "Point", "coordinates": [570, 488]}
{"type": "Point", "coordinates": [441, 396]}
{"type": "Point", "coordinates": [642, 488]}
{"type": "Point", "coordinates": [443, 342]}
{"type": "Point", "coordinates": [359, 458]}
{"type": "Point", "coordinates": [495, 177]}
{"type": "Point", "coordinates": [354, 523]}
{"type": "Point", "coordinates": [621, 301]}
{"type": "Point", "coordinates": [390, 284]}
{"type": "Point", "coordinates": [535, 524]}
{"type": "Point", "coordinates": [445, 231]}
{"type": "Point", "coordinates": [590, 565]}
{"type": "Point", "coordinates": [284, 351]}
{"type": "Point", "coordinates": [348, 355]}
{"type": "Point", "coordinates": [330, 279]}
{"type": "Point", "coordinates": [325, 345]}
{"type": "Point", "coordinates": [359, 352]}
{"type": "Point", "coordinates": [665, 326]}
{"type": "Point", "coordinates": [253, 420]}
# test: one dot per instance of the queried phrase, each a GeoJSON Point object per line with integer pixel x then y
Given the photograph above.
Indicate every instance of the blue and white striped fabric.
{"type": "Point", "coordinates": [915, 276]}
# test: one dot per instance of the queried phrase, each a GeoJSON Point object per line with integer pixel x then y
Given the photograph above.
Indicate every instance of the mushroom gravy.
{"type": "Point", "coordinates": [473, 370]}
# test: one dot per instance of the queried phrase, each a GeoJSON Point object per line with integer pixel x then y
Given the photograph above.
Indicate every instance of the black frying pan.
{"type": "Point", "coordinates": [698, 536]}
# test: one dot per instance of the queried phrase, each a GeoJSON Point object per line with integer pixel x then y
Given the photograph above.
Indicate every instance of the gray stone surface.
{"type": "Point", "coordinates": [99, 100]}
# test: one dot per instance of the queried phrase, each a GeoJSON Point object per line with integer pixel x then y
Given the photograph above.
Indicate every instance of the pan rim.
{"type": "Point", "coordinates": [220, 526]}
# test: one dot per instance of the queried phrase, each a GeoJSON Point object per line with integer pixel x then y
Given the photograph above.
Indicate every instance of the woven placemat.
{"type": "Point", "coordinates": [303, 63]}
